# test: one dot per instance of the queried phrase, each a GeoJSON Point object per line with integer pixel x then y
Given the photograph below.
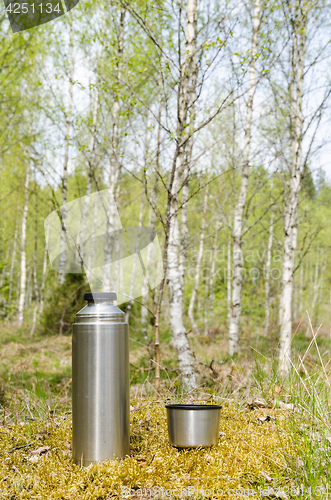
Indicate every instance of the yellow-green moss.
{"type": "Point", "coordinates": [247, 450]}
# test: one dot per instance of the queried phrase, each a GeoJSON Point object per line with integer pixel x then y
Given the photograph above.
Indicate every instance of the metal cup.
{"type": "Point", "coordinates": [190, 426]}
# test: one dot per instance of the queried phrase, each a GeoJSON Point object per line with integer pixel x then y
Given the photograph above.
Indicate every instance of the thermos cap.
{"type": "Point", "coordinates": [100, 296]}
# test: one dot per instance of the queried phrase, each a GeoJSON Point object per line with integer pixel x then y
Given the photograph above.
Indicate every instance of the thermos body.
{"type": "Point", "coordinates": [100, 383]}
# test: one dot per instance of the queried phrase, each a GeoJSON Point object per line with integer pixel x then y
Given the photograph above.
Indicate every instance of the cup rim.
{"type": "Point", "coordinates": [193, 407]}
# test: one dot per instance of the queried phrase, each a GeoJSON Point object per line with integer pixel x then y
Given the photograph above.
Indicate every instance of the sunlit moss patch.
{"type": "Point", "coordinates": [249, 451]}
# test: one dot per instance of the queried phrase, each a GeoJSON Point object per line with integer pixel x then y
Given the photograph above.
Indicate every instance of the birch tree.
{"type": "Point", "coordinates": [175, 283]}
{"type": "Point", "coordinates": [114, 161]}
{"type": "Point", "coordinates": [198, 264]}
{"type": "Point", "coordinates": [21, 301]}
{"type": "Point", "coordinates": [267, 275]}
{"type": "Point", "coordinates": [68, 119]}
{"type": "Point", "coordinates": [291, 212]}
{"type": "Point", "coordinates": [13, 260]}
{"type": "Point", "coordinates": [239, 209]}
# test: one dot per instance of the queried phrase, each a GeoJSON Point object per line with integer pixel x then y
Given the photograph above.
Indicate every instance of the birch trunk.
{"type": "Point", "coordinates": [191, 46]}
{"type": "Point", "coordinates": [91, 157]}
{"type": "Point", "coordinates": [114, 164]}
{"type": "Point", "coordinates": [68, 117]}
{"type": "Point", "coordinates": [205, 314]}
{"type": "Point", "coordinates": [144, 291]}
{"type": "Point", "coordinates": [195, 328]}
{"type": "Point", "coordinates": [175, 282]}
{"type": "Point", "coordinates": [239, 210]}
{"type": "Point", "coordinates": [134, 264]}
{"type": "Point", "coordinates": [42, 292]}
{"type": "Point", "coordinates": [317, 287]}
{"type": "Point", "coordinates": [267, 276]}
{"type": "Point", "coordinates": [212, 277]}
{"type": "Point", "coordinates": [152, 216]}
{"type": "Point", "coordinates": [35, 266]}
{"type": "Point", "coordinates": [229, 278]}
{"type": "Point", "coordinates": [12, 266]}
{"type": "Point", "coordinates": [291, 214]}
{"type": "Point", "coordinates": [301, 290]}
{"type": "Point", "coordinates": [21, 301]}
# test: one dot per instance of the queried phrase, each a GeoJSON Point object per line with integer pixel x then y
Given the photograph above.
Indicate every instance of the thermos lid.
{"type": "Point", "coordinates": [100, 296]}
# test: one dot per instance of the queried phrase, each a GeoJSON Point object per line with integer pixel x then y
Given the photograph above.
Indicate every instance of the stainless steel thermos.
{"type": "Point", "coordinates": [100, 381]}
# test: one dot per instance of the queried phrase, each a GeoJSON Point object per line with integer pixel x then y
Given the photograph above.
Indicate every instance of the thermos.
{"type": "Point", "coordinates": [100, 381]}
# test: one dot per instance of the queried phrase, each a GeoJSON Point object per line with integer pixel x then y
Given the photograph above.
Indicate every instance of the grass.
{"type": "Point", "coordinates": [276, 433]}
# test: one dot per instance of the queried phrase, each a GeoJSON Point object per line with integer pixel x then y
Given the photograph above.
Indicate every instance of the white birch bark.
{"type": "Point", "coordinates": [43, 282]}
{"type": "Point", "coordinates": [229, 278]}
{"type": "Point", "coordinates": [35, 263]}
{"type": "Point", "coordinates": [195, 328]}
{"type": "Point", "coordinates": [175, 282]}
{"type": "Point", "coordinates": [152, 216]}
{"type": "Point", "coordinates": [144, 290]}
{"type": "Point", "coordinates": [205, 314]}
{"type": "Point", "coordinates": [267, 276]}
{"type": "Point", "coordinates": [12, 266]}
{"type": "Point", "coordinates": [301, 290]}
{"type": "Point", "coordinates": [191, 46]}
{"type": "Point", "coordinates": [212, 277]}
{"type": "Point", "coordinates": [239, 210]}
{"type": "Point", "coordinates": [318, 284]}
{"type": "Point", "coordinates": [135, 257]}
{"type": "Point", "coordinates": [91, 157]}
{"type": "Point", "coordinates": [291, 213]}
{"type": "Point", "coordinates": [21, 301]}
{"type": "Point", "coordinates": [68, 118]}
{"type": "Point", "coordinates": [114, 164]}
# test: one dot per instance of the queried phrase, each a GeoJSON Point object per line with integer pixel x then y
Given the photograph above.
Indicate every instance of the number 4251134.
{"type": "Point", "coordinates": [17, 8]}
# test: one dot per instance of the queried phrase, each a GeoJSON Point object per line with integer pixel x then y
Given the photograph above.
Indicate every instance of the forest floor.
{"type": "Point", "coordinates": [275, 435]}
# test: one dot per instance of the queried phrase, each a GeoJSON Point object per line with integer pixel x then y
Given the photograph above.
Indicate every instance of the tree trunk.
{"type": "Point", "coordinates": [212, 278]}
{"type": "Point", "coordinates": [114, 163]}
{"type": "Point", "coordinates": [267, 276]}
{"type": "Point", "coordinates": [317, 287]}
{"type": "Point", "coordinates": [175, 282]}
{"type": "Point", "coordinates": [42, 292]}
{"type": "Point", "coordinates": [144, 291]}
{"type": "Point", "coordinates": [239, 210]}
{"type": "Point", "coordinates": [91, 157]}
{"type": "Point", "coordinates": [229, 279]}
{"type": "Point", "coordinates": [198, 264]}
{"type": "Point", "coordinates": [12, 266]}
{"type": "Point", "coordinates": [134, 263]}
{"type": "Point", "coordinates": [68, 118]}
{"type": "Point", "coordinates": [301, 290]}
{"type": "Point", "coordinates": [291, 214]}
{"type": "Point", "coordinates": [191, 46]}
{"type": "Point", "coordinates": [35, 266]}
{"type": "Point", "coordinates": [23, 247]}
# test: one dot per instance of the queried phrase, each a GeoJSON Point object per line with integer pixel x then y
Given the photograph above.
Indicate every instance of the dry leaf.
{"type": "Point", "coordinates": [142, 461]}
{"type": "Point", "coordinates": [284, 406]}
{"type": "Point", "coordinates": [209, 458]}
{"type": "Point", "coordinates": [68, 445]}
{"type": "Point", "coordinates": [42, 435]}
{"type": "Point", "coordinates": [257, 403]}
{"type": "Point", "coordinates": [144, 423]}
{"type": "Point", "coordinates": [40, 451]}
{"type": "Point", "coordinates": [266, 477]}
{"type": "Point", "coordinates": [267, 418]}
